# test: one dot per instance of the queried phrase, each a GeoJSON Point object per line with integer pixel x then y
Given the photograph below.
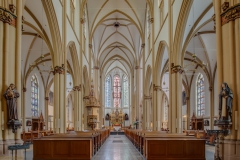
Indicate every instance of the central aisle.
{"type": "Point", "coordinates": [118, 147]}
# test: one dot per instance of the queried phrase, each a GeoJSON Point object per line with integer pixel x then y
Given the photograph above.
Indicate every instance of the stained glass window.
{"type": "Point", "coordinates": [116, 91]}
{"type": "Point", "coordinates": [200, 96]}
{"type": "Point", "coordinates": [34, 95]}
{"type": "Point", "coordinates": [125, 92]}
{"type": "Point", "coordinates": [108, 92]}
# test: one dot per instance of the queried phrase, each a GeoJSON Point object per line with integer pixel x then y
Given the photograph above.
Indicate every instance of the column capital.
{"type": "Point", "coordinates": [210, 88]}
{"type": "Point", "coordinates": [229, 13]}
{"type": "Point", "coordinates": [143, 45]}
{"type": "Point", "coordinates": [96, 67]}
{"type": "Point", "coordinates": [7, 16]}
{"type": "Point", "coordinates": [82, 20]}
{"type": "Point", "coordinates": [147, 97]}
{"type": "Point", "coordinates": [225, 6]}
{"type": "Point", "coordinates": [157, 88]}
{"type": "Point", "coordinates": [58, 69]}
{"type": "Point", "coordinates": [137, 67]}
{"type": "Point", "coordinates": [77, 88]}
{"type": "Point", "coordinates": [90, 46]}
{"type": "Point", "coordinates": [151, 20]}
{"type": "Point", "coordinates": [214, 21]}
{"type": "Point", "coordinates": [24, 89]}
{"type": "Point", "coordinates": [176, 68]}
{"type": "Point", "coordinates": [12, 8]}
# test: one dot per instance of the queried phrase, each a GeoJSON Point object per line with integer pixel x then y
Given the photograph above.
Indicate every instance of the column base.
{"type": "Point", "coordinates": [230, 150]}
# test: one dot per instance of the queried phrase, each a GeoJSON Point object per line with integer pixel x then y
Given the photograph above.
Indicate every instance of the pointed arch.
{"type": "Point", "coordinates": [159, 61]}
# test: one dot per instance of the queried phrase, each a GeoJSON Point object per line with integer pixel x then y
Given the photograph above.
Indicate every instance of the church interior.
{"type": "Point", "coordinates": [120, 79]}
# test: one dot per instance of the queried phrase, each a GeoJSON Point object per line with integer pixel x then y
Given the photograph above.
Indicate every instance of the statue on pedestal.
{"type": "Point", "coordinates": [225, 102]}
{"type": "Point", "coordinates": [11, 96]}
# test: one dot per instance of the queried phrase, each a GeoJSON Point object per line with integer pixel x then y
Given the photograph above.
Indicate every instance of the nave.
{"type": "Point", "coordinates": [116, 147]}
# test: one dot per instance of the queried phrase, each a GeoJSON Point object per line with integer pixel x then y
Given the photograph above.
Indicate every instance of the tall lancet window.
{"type": "Point", "coordinates": [116, 91]}
{"type": "Point", "coordinates": [125, 92]}
{"type": "Point", "coordinates": [34, 95]}
{"type": "Point", "coordinates": [200, 96]}
{"type": "Point", "coordinates": [108, 92]}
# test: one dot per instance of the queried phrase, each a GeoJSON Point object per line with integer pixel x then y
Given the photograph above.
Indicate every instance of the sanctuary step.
{"type": "Point", "coordinates": [116, 133]}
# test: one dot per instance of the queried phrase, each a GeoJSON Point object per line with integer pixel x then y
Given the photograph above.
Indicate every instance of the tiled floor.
{"type": "Point", "coordinates": [116, 147]}
{"type": "Point", "coordinates": [126, 151]}
{"type": "Point", "coordinates": [121, 149]}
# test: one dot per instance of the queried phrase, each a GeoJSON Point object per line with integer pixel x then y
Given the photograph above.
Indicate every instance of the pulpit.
{"type": "Point", "coordinates": [92, 105]}
{"type": "Point", "coordinates": [197, 123]}
{"type": "Point", "coordinates": [38, 123]}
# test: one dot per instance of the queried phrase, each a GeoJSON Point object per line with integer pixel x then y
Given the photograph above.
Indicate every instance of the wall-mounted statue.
{"type": "Point", "coordinates": [225, 102]}
{"type": "Point", "coordinates": [107, 117]}
{"type": "Point", "coordinates": [11, 96]}
{"type": "Point", "coordinates": [126, 117]}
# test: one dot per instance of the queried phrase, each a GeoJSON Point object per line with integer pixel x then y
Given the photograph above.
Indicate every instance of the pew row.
{"type": "Point", "coordinates": [75, 145]}
{"type": "Point", "coordinates": [154, 145]}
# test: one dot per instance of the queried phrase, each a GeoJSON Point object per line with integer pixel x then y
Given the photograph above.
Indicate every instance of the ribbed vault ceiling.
{"type": "Point", "coordinates": [116, 45]}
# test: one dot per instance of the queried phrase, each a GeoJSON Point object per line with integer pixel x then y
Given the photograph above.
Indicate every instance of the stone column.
{"type": "Point", "coordinates": [138, 115]}
{"type": "Point", "coordinates": [175, 101]}
{"type": "Point", "coordinates": [227, 37]}
{"type": "Point", "coordinates": [211, 107]}
{"type": "Point", "coordinates": [77, 108]}
{"type": "Point", "coordinates": [188, 112]}
{"type": "Point", "coordinates": [56, 104]}
{"type": "Point", "coordinates": [1, 77]}
{"type": "Point", "coordinates": [146, 112]}
{"type": "Point", "coordinates": [18, 51]}
{"type": "Point", "coordinates": [59, 99]}
{"type": "Point", "coordinates": [46, 112]}
{"type": "Point", "coordinates": [157, 108]}
{"type": "Point", "coordinates": [96, 79]}
{"type": "Point", "coordinates": [10, 58]}
{"type": "Point", "coordinates": [133, 115]}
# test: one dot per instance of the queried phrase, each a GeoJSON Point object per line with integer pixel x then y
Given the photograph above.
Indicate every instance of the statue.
{"type": "Point", "coordinates": [11, 96]}
{"type": "Point", "coordinates": [225, 100]}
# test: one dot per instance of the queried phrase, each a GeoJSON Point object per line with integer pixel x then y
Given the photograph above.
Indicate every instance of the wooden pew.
{"type": "Point", "coordinates": [75, 145]}
{"type": "Point", "coordinates": [156, 145]}
{"type": "Point", "coordinates": [174, 146]}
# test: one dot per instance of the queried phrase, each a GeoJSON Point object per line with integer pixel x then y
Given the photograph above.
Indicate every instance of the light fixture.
{"type": "Point", "coordinates": [164, 80]}
{"type": "Point", "coordinates": [116, 24]}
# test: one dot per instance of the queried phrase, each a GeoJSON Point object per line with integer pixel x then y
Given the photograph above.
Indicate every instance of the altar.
{"type": "Point", "coordinates": [117, 118]}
